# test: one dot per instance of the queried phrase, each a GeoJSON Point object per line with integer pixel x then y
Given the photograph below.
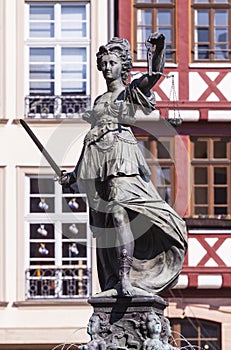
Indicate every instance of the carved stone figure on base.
{"type": "Point", "coordinates": [141, 240]}
{"type": "Point", "coordinates": [153, 325]}
{"type": "Point", "coordinates": [95, 327]}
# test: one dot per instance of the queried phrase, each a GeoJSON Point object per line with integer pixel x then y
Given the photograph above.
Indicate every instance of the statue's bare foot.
{"type": "Point", "coordinates": [127, 289]}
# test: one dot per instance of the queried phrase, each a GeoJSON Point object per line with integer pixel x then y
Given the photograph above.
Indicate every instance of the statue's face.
{"type": "Point", "coordinates": [154, 326]}
{"type": "Point", "coordinates": [111, 67]}
{"type": "Point", "coordinates": [93, 326]}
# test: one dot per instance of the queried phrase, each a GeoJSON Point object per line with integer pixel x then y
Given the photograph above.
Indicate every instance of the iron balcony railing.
{"type": "Point", "coordinates": [54, 107]}
{"type": "Point", "coordinates": [58, 283]}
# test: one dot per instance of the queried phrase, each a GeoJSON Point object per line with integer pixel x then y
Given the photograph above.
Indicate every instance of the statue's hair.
{"type": "Point", "coordinates": [165, 324]}
{"type": "Point", "coordinates": [120, 48]}
{"type": "Point", "coordinates": [152, 316]}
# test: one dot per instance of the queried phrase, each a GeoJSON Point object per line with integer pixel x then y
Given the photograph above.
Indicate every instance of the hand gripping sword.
{"type": "Point", "coordinates": [44, 152]}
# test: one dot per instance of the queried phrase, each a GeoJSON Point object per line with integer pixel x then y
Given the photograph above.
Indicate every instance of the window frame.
{"type": "Point", "coordinates": [49, 105]}
{"type": "Point", "coordinates": [197, 324]}
{"type": "Point", "coordinates": [155, 6]}
{"type": "Point", "coordinates": [210, 163]}
{"type": "Point", "coordinates": [23, 175]}
{"type": "Point", "coordinates": [211, 6]}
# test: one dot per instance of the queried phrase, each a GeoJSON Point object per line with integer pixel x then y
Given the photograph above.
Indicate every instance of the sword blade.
{"type": "Point", "coordinates": [44, 152]}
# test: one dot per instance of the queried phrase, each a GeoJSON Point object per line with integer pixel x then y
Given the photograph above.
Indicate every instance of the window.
{"type": "Point", "coordinates": [211, 30]}
{"type": "Point", "coordinates": [58, 253]}
{"type": "Point", "coordinates": [211, 176]}
{"type": "Point", "coordinates": [159, 155]}
{"type": "Point", "coordinates": [154, 16]}
{"type": "Point", "coordinates": [197, 333]}
{"type": "Point", "coordinates": [57, 58]}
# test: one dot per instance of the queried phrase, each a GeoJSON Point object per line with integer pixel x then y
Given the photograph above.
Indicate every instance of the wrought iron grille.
{"type": "Point", "coordinates": [57, 283]}
{"type": "Point", "coordinates": [41, 106]}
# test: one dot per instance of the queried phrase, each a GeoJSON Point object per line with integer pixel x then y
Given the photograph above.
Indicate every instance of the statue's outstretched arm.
{"type": "Point", "coordinates": [147, 81]}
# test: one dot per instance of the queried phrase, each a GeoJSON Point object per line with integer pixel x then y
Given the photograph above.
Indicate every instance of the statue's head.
{"type": "Point", "coordinates": [120, 48]}
{"type": "Point", "coordinates": [153, 324]}
{"type": "Point", "coordinates": [97, 323]}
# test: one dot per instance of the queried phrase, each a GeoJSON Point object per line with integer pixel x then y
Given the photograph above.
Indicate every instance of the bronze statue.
{"type": "Point", "coordinates": [141, 240]}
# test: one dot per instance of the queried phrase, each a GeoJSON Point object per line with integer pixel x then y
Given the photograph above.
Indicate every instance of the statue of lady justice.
{"type": "Point", "coordinates": [141, 240]}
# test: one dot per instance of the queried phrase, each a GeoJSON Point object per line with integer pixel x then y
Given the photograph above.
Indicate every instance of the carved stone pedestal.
{"type": "Point", "coordinates": [128, 323]}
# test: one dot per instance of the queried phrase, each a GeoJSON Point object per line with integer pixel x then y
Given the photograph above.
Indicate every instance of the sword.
{"type": "Point", "coordinates": [149, 57]}
{"type": "Point", "coordinates": [44, 152]}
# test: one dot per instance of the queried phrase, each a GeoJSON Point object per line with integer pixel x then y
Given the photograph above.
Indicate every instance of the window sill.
{"type": "Point", "coordinates": [207, 222]}
{"type": "Point", "coordinates": [143, 64]}
{"type": "Point", "coordinates": [210, 65]}
{"type": "Point", "coordinates": [3, 304]}
{"type": "Point", "coordinates": [50, 121]}
{"type": "Point", "coordinates": [3, 121]}
{"type": "Point", "coordinates": [45, 303]}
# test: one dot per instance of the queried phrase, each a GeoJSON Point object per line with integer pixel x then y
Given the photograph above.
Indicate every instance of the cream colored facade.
{"type": "Point", "coordinates": [24, 323]}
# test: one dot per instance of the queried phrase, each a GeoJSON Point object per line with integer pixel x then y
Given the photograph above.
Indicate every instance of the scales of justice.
{"type": "Point", "coordinates": [141, 241]}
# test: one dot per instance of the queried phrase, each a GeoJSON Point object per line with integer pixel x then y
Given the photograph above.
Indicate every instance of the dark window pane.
{"type": "Point", "coordinates": [74, 230]}
{"type": "Point", "coordinates": [41, 231]}
{"type": "Point", "coordinates": [201, 175]}
{"type": "Point", "coordinates": [220, 149]}
{"type": "Point", "coordinates": [42, 250]}
{"type": "Point", "coordinates": [220, 195]}
{"type": "Point", "coordinates": [79, 250]}
{"type": "Point", "coordinates": [41, 205]}
{"type": "Point", "coordinates": [220, 176]}
{"type": "Point", "coordinates": [201, 195]}
{"type": "Point", "coordinates": [163, 150]}
{"type": "Point", "coordinates": [201, 210]}
{"type": "Point", "coordinates": [74, 205]}
{"type": "Point", "coordinates": [203, 52]}
{"type": "Point", "coordinates": [209, 330]}
{"type": "Point", "coordinates": [203, 34]}
{"type": "Point", "coordinates": [41, 186]}
{"type": "Point", "coordinates": [188, 330]}
{"type": "Point", "coordinates": [220, 211]}
{"type": "Point", "coordinates": [201, 149]}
